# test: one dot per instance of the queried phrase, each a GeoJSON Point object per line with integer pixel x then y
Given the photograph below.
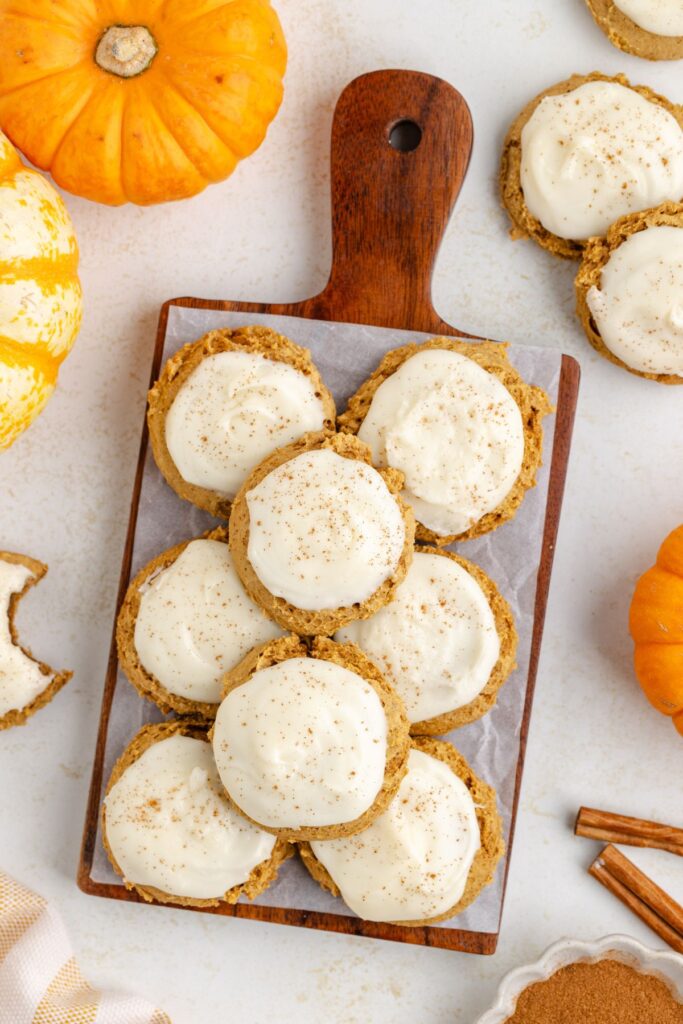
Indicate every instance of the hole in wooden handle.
{"type": "Point", "coordinates": [405, 136]}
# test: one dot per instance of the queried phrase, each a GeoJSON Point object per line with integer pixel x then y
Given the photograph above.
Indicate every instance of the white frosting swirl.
{"type": "Point", "coordinates": [591, 155]}
{"type": "Point", "coordinates": [412, 863]}
{"type": "Point", "coordinates": [21, 680]}
{"type": "Point", "coordinates": [324, 531]}
{"type": "Point", "coordinates": [170, 826]}
{"type": "Point", "coordinates": [638, 307]}
{"type": "Point", "coordinates": [661, 17]}
{"type": "Point", "coordinates": [196, 621]}
{"type": "Point", "coordinates": [234, 409]}
{"type": "Point", "coordinates": [302, 743]}
{"type": "Point", "coordinates": [456, 433]}
{"type": "Point", "coordinates": [436, 641]}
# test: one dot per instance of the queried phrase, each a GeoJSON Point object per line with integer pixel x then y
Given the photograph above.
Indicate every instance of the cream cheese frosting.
{"type": "Point", "coordinates": [170, 826]}
{"type": "Point", "coordinates": [302, 743]}
{"type": "Point", "coordinates": [21, 679]}
{"type": "Point", "coordinates": [436, 642]}
{"type": "Point", "coordinates": [196, 621]}
{"type": "Point", "coordinates": [234, 409]}
{"type": "Point", "coordinates": [638, 308]}
{"type": "Point", "coordinates": [661, 17]}
{"type": "Point", "coordinates": [411, 863]}
{"type": "Point", "coordinates": [593, 154]}
{"type": "Point", "coordinates": [324, 531]}
{"type": "Point", "coordinates": [456, 433]}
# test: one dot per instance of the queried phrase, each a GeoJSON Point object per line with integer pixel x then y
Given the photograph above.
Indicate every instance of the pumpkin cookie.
{"type": "Point", "coordinates": [225, 402]}
{"type": "Point", "coordinates": [628, 293]}
{"type": "Point", "coordinates": [310, 743]}
{"type": "Point", "coordinates": [585, 152]}
{"type": "Point", "coordinates": [461, 425]}
{"type": "Point", "coordinates": [25, 684]}
{"type": "Point", "coordinates": [170, 833]}
{"type": "Point", "coordinates": [446, 642]}
{"type": "Point", "coordinates": [645, 28]}
{"type": "Point", "coordinates": [185, 620]}
{"type": "Point", "coordinates": [428, 856]}
{"type": "Point", "coordinates": [320, 537]}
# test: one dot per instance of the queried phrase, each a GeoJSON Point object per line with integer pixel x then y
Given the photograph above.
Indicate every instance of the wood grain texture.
{"type": "Point", "coordinates": [389, 209]}
{"type": "Point", "coordinates": [389, 213]}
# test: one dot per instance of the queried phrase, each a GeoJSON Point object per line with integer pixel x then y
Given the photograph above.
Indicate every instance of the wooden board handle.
{"type": "Point", "coordinates": [390, 207]}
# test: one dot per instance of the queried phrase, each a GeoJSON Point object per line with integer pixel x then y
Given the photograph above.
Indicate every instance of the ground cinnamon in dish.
{"type": "Point", "coordinates": [606, 992]}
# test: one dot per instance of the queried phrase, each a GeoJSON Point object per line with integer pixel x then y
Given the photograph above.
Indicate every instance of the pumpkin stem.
{"type": "Point", "coordinates": [126, 50]}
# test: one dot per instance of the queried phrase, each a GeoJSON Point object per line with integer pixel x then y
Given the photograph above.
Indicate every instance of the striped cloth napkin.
{"type": "Point", "coordinates": [40, 982]}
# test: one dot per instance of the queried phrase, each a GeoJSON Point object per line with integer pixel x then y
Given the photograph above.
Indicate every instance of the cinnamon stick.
{"type": "Point", "coordinates": [640, 894]}
{"type": "Point", "coordinates": [618, 828]}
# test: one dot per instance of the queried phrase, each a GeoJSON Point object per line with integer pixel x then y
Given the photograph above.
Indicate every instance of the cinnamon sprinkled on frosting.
{"type": "Point", "coordinates": [412, 863]}
{"type": "Point", "coordinates": [324, 531]}
{"type": "Point", "coordinates": [302, 743]}
{"type": "Point", "coordinates": [233, 410]}
{"type": "Point", "coordinates": [456, 433]}
{"type": "Point", "coordinates": [436, 641]}
{"type": "Point", "coordinates": [638, 307]}
{"type": "Point", "coordinates": [169, 825]}
{"type": "Point", "coordinates": [196, 621]}
{"type": "Point", "coordinates": [596, 153]}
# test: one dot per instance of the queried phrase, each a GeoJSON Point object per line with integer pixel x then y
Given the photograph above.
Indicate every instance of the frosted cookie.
{"type": "Point", "coordinates": [646, 28]}
{"type": "Point", "coordinates": [185, 620]}
{"type": "Point", "coordinates": [461, 425]}
{"type": "Point", "coordinates": [169, 831]}
{"type": "Point", "coordinates": [428, 856]}
{"type": "Point", "coordinates": [225, 402]}
{"type": "Point", "coordinates": [25, 684]}
{"type": "Point", "coordinates": [585, 152]}
{"type": "Point", "coordinates": [310, 743]}
{"type": "Point", "coordinates": [319, 537]}
{"type": "Point", "coordinates": [628, 292]}
{"type": "Point", "coordinates": [446, 642]}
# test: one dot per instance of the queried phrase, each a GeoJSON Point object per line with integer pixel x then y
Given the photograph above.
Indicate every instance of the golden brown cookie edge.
{"type": "Point", "coordinates": [487, 857]}
{"type": "Point", "coordinates": [507, 634]}
{"type": "Point", "coordinates": [177, 369]}
{"type": "Point", "coordinates": [298, 620]}
{"type": "Point", "coordinates": [629, 37]}
{"type": "Point", "coordinates": [398, 738]}
{"type": "Point", "coordinates": [532, 401]}
{"type": "Point", "coordinates": [524, 224]}
{"type": "Point", "coordinates": [594, 259]}
{"type": "Point", "coordinates": [58, 679]}
{"type": "Point", "coordinates": [261, 876]}
{"type": "Point", "coordinates": [146, 684]}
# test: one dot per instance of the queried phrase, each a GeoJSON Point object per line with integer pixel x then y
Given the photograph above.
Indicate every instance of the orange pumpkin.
{"type": "Point", "coordinates": [656, 625]}
{"type": "Point", "coordinates": [139, 100]}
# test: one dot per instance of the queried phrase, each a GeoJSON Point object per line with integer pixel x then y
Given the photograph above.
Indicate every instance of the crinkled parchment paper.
{"type": "Point", "coordinates": [345, 355]}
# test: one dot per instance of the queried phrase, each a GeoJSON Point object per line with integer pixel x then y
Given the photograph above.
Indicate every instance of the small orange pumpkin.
{"type": "Point", "coordinates": [656, 625]}
{"type": "Point", "coordinates": [139, 100]}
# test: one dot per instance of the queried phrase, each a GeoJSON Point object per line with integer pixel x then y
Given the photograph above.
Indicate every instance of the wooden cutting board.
{"type": "Point", "coordinates": [390, 207]}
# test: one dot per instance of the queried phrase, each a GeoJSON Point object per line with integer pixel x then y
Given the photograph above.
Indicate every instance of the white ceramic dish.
{"type": "Point", "coordinates": [665, 965]}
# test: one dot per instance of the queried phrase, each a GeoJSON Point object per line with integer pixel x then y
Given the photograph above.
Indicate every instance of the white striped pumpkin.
{"type": "Point", "coordinates": [40, 294]}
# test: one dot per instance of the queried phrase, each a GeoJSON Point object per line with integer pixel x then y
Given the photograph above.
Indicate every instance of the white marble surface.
{"type": "Point", "coordinates": [65, 490]}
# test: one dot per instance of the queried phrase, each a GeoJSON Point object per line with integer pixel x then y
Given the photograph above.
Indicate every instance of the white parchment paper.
{"type": "Point", "coordinates": [345, 354]}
